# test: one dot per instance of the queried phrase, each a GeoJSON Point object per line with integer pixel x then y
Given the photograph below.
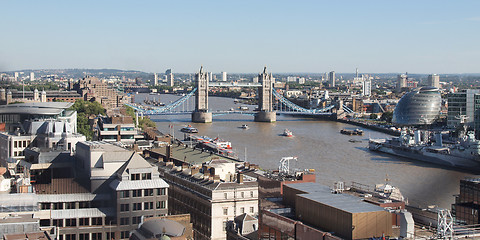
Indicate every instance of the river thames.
{"type": "Point", "coordinates": [319, 145]}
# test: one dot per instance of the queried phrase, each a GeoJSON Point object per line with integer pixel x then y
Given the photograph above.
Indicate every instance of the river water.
{"type": "Point", "coordinates": [319, 145]}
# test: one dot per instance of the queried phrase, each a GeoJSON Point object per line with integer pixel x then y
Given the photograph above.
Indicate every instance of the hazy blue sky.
{"type": "Point", "coordinates": [242, 36]}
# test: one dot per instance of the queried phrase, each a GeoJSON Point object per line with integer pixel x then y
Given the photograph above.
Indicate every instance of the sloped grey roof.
{"type": "Point", "coordinates": [82, 213]}
{"type": "Point", "coordinates": [138, 184]}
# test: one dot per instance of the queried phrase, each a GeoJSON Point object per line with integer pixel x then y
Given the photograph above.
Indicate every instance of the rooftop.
{"type": "Point", "coordinates": [43, 108]}
{"type": "Point", "coordinates": [323, 195]}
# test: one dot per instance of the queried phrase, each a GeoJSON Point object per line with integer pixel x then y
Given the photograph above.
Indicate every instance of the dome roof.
{"type": "Point", "coordinates": [36, 90]}
{"type": "Point", "coordinates": [419, 107]}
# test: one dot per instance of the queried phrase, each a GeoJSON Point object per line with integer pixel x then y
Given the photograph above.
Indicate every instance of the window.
{"type": "Point", "coordinates": [224, 226]}
{"type": "Point", "coordinates": [83, 221]}
{"type": "Point", "coordinates": [58, 222]}
{"type": "Point", "coordinates": [124, 221]}
{"type": "Point", "coordinates": [147, 205]}
{"type": "Point", "coordinates": [252, 209]}
{"type": "Point", "coordinates": [124, 207]}
{"type": "Point", "coordinates": [135, 176]}
{"type": "Point", "coordinates": [243, 194]}
{"type": "Point", "coordinates": [161, 204]}
{"type": "Point", "coordinates": [251, 193]}
{"type": "Point", "coordinates": [110, 235]}
{"type": "Point", "coordinates": [45, 206]}
{"type": "Point", "coordinates": [225, 195]}
{"type": "Point", "coordinates": [137, 193]}
{"type": "Point", "coordinates": [57, 206]}
{"type": "Point", "coordinates": [161, 191]}
{"type": "Point", "coordinates": [124, 234]}
{"type": "Point", "coordinates": [225, 211]}
{"type": "Point", "coordinates": [125, 194]}
{"type": "Point", "coordinates": [83, 236]}
{"type": "Point", "coordinates": [97, 221]}
{"type": "Point", "coordinates": [148, 192]}
{"type": "Point", "coordinates": [70, 205]}
{"type": "Point", "coordinates": [84, 205]}
{"type": "Point", "coordinates": [137, 206]}
{"type": "Point", "coordinates": [15, 144]}
{"type": "Point", "coordinates": [96, 236]}
{"type": "Point", "coordinates": [136, 220]}
{"type": "Point", "coordinates": [242, 210]}
{"type": "Point", "coordinates": [146, 176]}
{"type": "Point", "coordinates": [72, 222]}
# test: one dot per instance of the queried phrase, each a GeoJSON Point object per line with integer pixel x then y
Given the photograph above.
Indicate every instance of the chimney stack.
{"type": "Point", "coordinates": [240, 178]}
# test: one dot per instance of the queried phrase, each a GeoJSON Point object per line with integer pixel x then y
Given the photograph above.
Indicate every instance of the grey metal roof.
{"type": "Point", "coordinates": [345, 202]}
{"type": "Point", "coordinates": [43, 108]}
{"type": "Point", "coordinates": [76, 197]}
{"type": "Point", "coordinates": [140, 184]}
{"type": "Point", "coordinates": [82, 213]}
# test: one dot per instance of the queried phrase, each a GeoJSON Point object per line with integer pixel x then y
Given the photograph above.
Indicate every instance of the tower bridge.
{"type": "Point", "coordinates": [266, 98]}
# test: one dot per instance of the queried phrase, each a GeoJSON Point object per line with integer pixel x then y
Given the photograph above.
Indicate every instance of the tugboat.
{"type": "Point", "coordinates": [287, 133]}
{"type": "Point", "coordinates": [189, 129]}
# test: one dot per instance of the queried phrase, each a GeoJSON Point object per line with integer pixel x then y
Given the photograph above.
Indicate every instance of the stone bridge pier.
{"type": "Point", "coordinates": [201, 113]}
{"type": "Point", "coordinates": [265, 99]}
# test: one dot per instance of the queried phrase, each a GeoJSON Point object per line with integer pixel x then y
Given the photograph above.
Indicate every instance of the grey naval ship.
{"type": "Point", "coordinates": [463, 154]}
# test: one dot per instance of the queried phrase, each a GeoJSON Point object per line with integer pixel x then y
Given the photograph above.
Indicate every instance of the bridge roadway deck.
{"type": "Point", "coordinates": [217, 113]}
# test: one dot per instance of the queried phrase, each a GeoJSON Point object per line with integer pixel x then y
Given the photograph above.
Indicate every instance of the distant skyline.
{"type": "Point", "coordinates": [242, 36]}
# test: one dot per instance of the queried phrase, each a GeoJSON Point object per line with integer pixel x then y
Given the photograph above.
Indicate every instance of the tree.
{"type": "Point", "coordinates": [85, 109]}
{"type": "Point", "coordinates": [387, 117]}
{"type": "Point", "coordinates": [373, 116]}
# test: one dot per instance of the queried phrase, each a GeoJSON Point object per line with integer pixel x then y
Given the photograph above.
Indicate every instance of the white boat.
{"type": "Point", "coordinates": [287, 133]}
{"type": "Point", "coordinates": [244, 126]}
{"type": "Point", "coordinates": [189, 129]}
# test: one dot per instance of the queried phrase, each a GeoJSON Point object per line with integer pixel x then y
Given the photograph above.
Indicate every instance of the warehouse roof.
{"type": "Point", "coordinates": [323, 194]}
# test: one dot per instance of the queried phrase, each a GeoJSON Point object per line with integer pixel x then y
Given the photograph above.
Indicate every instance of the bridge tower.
{"type": "Point", "coordinates": [265, 99]}
{"type": "Point", "coordinates": [201, 114]}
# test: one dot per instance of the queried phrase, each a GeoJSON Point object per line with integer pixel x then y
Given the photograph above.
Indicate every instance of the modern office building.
{"type": "Point", "coordinates": [331, 78]}
{"type": "Point", "coordinates": [433, 80]}
{"type": "Point", "coordinates": [401, 82]}
{"type": "Point", "coordinates": [464, 106]}
{"type": "Point", "coordinates": [103, 192]}
{"type": "Point", "coordinates": [418, 107]}
{"type": "Point", "coordinates": [43, 125]}
{"type": "Point", "coordinates": [32, 76]}
{"type": "Point", "coordinates": [466, 208]}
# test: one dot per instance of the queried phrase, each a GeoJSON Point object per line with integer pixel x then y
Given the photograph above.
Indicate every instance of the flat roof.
{"type": "Point", "coordinates": [43, 108]}
{"type": "Point", "coordinates": [323, 195]}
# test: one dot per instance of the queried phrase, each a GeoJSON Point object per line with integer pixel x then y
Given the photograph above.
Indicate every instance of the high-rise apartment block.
{"type": "Point", "coordinates": [224, 76]}
{"type": "Point", "coordinates": [155, 79]}
{"type": "Point", "coordinates": [32, 76]}
{"type": "Point", "coordinates": [331, 78]}
{"type": "Point", "coordinates": [401, 82]}
{"type": "Point", "coordinates": [433, 80]}
{"type": "Point", "coordinates": [366, 86]}
{"type": "Point", "coordinates": [169, 77]}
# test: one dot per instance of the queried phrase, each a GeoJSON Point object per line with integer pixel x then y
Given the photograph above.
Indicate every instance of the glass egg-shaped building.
{"type": "Point", "coordinates": [418, 107]}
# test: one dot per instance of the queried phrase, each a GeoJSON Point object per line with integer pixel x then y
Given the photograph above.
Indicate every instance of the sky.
{"type": "Point", "coordinates": [242, 36]}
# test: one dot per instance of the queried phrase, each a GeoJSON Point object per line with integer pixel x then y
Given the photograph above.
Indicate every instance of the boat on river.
{"type": "Point", "coordinates": [464, 154]}
{"type": "Point", "coordinates": [351, 132]}
{"type": "Point", "coordinates": [189, 129]}
{"type": "Point", "coordinates": [244, 126]}
{"type": "Point", "coordinates": [287, 133]}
